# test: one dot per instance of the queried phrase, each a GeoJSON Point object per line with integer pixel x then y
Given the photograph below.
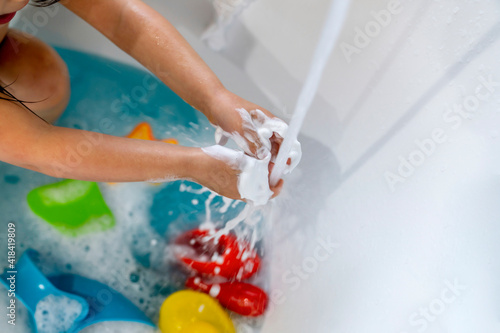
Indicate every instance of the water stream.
{"type": "Point", "coordinates": [329, 35]}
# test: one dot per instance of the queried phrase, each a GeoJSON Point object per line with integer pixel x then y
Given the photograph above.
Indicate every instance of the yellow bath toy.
{"type": "Point", "coordinates": [200, 327]}
{"type": "Point", "coordinates": [190, 311]}
{"type": "Point", "coordinates": [144, 131]}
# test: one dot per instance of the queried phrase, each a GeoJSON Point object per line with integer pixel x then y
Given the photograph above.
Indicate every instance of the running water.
{"type": "Point", "coordinates": [331, 30]}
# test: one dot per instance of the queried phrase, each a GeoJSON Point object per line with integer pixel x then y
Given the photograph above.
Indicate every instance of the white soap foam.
{"type": "Point", "coordinates": [65, 193]}
{"type": "Point", "coordinates": [253, 183]}
{"type": "Point", "coordinates": [246, 229]}
{"type": "Point", "coordinates": [259, 129]}
{"type": "Point", "coordinates": [227, 204]}
{"type": "Point", "coordinates": [208, 211]}
{"type": "Point", "coordinates": [165, 179]}
{"type": "Point", "coordinates": [56, 314]}
{"type": "Point", "coordinates": [214, 290]}
{"type": "Point", "coordinates": [253, 180]}
{"type": "Point", "coordinates": [120, 327]}
{"type": "Point", "coordinates": [108, 256]}
{"type": "Point", "coordinates": [21, 316]}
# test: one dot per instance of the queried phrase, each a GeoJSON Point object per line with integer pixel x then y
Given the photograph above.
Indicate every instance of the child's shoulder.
{"type": "Point", "coordinates": [21, 51]}
{"type": "Point", "coordinates": [34, 72]}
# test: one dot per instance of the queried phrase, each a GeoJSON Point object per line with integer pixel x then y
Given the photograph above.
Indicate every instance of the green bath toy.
{"type": "Point", "coordinates": [73, 207]}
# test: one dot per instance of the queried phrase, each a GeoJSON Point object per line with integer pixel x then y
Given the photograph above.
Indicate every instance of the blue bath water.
{"type": "Point", "coordinates": [133, 257]}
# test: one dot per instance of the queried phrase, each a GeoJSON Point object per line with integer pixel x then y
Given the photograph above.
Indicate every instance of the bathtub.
{"type": "Point", "coordinates": [391, 224]}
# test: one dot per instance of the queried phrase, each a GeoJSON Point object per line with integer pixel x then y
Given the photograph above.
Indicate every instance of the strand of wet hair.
{"type": "Point", "coordinates": [14, 99]}
{"type": "Point", "coordinates": [44, 3]}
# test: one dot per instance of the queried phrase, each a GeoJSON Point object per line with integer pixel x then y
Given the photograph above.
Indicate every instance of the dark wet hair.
{"type": "Point", "coordinates": [44, 3]}
{"type": "Point", "coordinates": [3, 89]}
{"type": "Point", "coordinates": [11, 98]}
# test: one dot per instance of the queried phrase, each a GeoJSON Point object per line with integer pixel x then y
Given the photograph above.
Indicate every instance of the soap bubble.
{"type": "Point", "coordinates": [56, 314]}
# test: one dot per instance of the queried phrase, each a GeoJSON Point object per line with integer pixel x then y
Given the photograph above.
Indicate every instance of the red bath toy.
{"type": "Point", "coordinates": [240, 297]}
{"type": "Point", "coordinates": [223, 256]}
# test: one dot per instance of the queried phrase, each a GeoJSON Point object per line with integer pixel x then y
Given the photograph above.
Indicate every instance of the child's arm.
{"type": "Point", "coordinates": [153, 41]}
{"type": "Point", "coordinates": [28, 142]}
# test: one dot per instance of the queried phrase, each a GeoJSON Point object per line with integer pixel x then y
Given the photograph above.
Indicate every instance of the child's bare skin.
{"type": "Point", "coordinates": [35, 73]}
{"type": "Point", "coordinates": [38, 75]}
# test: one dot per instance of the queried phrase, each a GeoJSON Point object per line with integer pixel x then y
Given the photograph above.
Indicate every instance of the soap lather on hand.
{"type": "Point", "coordinates": [259, 138]}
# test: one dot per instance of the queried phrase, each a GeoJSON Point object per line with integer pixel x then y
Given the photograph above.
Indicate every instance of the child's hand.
{"type": "Point", "coordinates": [238, 118]}
{"type": "Point", "coordinates": [228, 172]}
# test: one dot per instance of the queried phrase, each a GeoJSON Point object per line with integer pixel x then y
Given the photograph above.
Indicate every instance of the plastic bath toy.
{"type": "Point", "coordinates": [32, 287]}
{"type": "Point", "coordinates": [190, 311]}
{"type": "Point", "coordinates": [223, 258]}
{"type": "Point", "coordinates": [144, 131]}
{"type": "Point", "coordinates": [73, 207]}
{"type": "Point", "coordinates": [240, 297]}
{"type": "Point", "coordinates": [182, 205]}
{"type": "Point", "coordinates": [226, 257]}
{"type": "Point", "coordinates": [99, 302]}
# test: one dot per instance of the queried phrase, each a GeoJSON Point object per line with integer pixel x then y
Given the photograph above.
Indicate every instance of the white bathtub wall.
{"type": "Point", "coordinates": [417, 254]}
{"type": "Point", "coordinates": [355, 252]}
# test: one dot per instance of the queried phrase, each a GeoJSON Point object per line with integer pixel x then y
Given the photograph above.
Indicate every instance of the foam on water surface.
{"type": "Point", "coordinates": [133, 257]}
{"type": "Point", "coordinates": [56, 314]}
{"type": "Point", "coordinates": [120, 327]}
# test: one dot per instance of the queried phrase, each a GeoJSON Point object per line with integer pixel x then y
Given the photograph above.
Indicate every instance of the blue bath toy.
{"type": "Point", "coordinates": [183, 205]}
{"type": "Point", "coordinates": [99, 302]}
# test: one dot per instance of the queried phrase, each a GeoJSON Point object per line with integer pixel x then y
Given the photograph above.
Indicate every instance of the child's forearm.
{"type": "Point", "coordinates": [77, 154]}
{"type": "Point", "coordinates": [143, 33]}
{"type": "Point", "coordinates": [28, 142]}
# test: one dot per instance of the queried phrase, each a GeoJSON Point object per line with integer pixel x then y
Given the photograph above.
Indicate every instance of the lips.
{"type": "Point", "coordinates": [6, 18]}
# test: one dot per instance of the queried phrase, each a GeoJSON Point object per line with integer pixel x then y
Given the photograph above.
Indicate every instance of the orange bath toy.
{"type": "Point", "coordinates": [143, 131]}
